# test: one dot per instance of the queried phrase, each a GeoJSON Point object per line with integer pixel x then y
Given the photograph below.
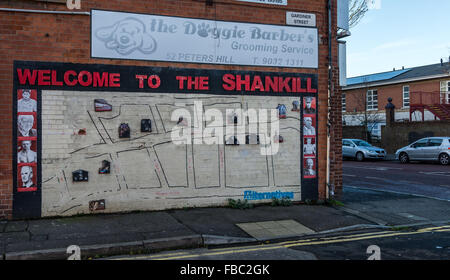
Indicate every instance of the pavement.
{"type": "Point", "coordinates": [147, 232]}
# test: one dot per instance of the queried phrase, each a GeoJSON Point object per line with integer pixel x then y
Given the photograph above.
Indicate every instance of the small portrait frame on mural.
{"type": "Point", "coordinates": [27, 125]}
{"type": "Point", "coordinates": [26, 151]}
{"type": "Point", "coordinates": [309, 125]}
{"type": "Point", "coordinates": [27, 177]}
{"type": "Point", "coordinates": [295, 106]}
{"type": "Point", "coordinates": [146, 125]}
{"type": "Point", "coordinates": [101, 105]}
{"type": "Point", "coordinates": [309, 146]}
{"type": "Point", "coordinates": [282, 111]}
{"type": "Point", "coordinates": [80, 175]}
{"type": "Point", "coordinates": [106, 167]}
{"type": "Point", "coordinates": [309, 167]}
{"type": "Point", "coordinates": [309, 105]}
{"type": "Point", "coordinates": [96, 205]}
{"type": "Point", "coordinates": [26, 100]}
{"type": "Point", "coordinates": [278, 139]}
{"type": "Point", "coordinates": [124, 130]}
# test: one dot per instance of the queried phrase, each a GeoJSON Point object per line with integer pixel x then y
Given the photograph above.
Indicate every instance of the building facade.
{"type": "Point", "coordinates": [113, 106]}
{"type": "Point", "coordinates": [418, 94]}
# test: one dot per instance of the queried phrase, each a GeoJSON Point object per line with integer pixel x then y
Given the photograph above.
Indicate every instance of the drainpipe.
{"type": "Point", "coordinates": [330, 187]}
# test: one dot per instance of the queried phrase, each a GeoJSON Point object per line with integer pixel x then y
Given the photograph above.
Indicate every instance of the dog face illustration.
{"type": "Point", "coordinates": [127, 36]}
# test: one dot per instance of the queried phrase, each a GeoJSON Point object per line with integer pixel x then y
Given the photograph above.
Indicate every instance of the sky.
{"type": "Point", "coordinates": [405, 33]}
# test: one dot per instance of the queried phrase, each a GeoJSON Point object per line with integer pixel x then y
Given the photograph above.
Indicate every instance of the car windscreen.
{"type": "Point", "coordinates": [361, 143]}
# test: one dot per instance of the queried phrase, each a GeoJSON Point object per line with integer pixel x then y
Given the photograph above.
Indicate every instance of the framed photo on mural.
{"type": "Point", "coordinates": [309, 146]}
{"type": "Point", "coordinates": [309, 167]}
{"type": "Point", "coordinates": [309, 125]}
{"type": "Point", "coordinates": [309, 105]}
{"type": "Point", "coordinates": [26, 125]}
{"type": "Point", "coordinates": [26, 151]}
{"type": "Point", "coordinates": [27, 178]}
{"type": "Point", "coordinates": [26, 100]}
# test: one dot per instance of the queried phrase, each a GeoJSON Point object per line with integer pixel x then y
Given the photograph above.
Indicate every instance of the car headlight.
{"type": "Point", "coordinates": [372, 152]}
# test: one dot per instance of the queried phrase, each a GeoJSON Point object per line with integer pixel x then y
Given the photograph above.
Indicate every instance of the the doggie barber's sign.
{"type": "Point", "coordinates": [162, 38]}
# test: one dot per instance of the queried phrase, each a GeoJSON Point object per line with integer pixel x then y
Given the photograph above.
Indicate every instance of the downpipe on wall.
{"type": "Point", "coordinates": [330, 186]}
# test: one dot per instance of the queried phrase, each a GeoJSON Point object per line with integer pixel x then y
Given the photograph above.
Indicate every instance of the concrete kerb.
{"type": "Point", "coordinates": [91, 251]}
{"type": "Point", "coordinates": [183, 242]}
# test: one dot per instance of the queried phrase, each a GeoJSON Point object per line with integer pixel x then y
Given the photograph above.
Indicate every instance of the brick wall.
{"type": "Point", "coordinates": [66, 38]}
{"type": "Point", "coordinates": [355, 97]}
{"type": "Point", "coordinates": [398, 135]}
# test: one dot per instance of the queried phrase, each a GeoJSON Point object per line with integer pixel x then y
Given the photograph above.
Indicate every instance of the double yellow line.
{"type": "Point", "coordinates": [287, 244]}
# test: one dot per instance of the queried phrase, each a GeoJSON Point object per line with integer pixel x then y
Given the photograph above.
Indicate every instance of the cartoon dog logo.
{"type": "Point", "coordinates": [126, 36]}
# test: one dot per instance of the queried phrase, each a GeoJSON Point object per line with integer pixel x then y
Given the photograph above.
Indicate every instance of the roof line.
{"type": "Point", "coordinates": [357, 86]}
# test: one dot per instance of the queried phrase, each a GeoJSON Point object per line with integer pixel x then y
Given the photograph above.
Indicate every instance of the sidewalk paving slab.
{"type": "Point", "coordinates": [2, 225]}
{"type": "Point", "coordinates": [109, 234]}
{"type": "Point", "coordinates": [16, 226]}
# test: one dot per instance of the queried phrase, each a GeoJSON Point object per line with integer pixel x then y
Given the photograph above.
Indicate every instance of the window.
{"type": "Point", "coordinates": [421, 143]}
{"type": "Point", "coordinates": [435, 142]}
{"type": "Point", "coordinates": [445, 91]}
{"type": "Point", "coordinates": [344, 105]}
{"type": "Point", "coordinates": [372, 100]}
{"type": "Point", "coordinates": [406, 96]}
{"type": "Point", "coordinates": [347, 143]}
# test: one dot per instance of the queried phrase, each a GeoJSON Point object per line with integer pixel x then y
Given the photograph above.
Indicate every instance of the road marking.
{"type": "Point", "coordinates": [439, 173]}
{"type": "Point", "coordinates": [379, 168]}
{"type": "Point", "coordinates": [288, 244]}
{"type": "Point", "coordinates": [396, 192]}
{"type": "Point", "coordinates": [376, 178]}
{"type": "Point", "coordinates": [349, 175]}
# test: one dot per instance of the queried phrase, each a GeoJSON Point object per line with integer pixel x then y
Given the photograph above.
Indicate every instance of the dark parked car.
{"type": "Point", "coordinates": [360, 150]}
{"type": "Point", "coordinates": [426, 149]}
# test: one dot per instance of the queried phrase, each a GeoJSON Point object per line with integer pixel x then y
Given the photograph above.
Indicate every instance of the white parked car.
{"type": "Point", "coordinates": [426, 149]}
{"type": "Point", "coordinates": [360, 150]}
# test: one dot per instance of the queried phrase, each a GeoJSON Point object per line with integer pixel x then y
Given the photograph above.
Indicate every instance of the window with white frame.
{"type": "Point", "coordinates": [372, 100]}
{"type": "Point", "coordinates": [445, 91]}
{"type": "Point", "coordinates": [344, 101]}
{"type": "Point", "coordinates": [405, 96]}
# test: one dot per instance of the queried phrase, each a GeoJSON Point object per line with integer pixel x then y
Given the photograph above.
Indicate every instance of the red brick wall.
{"type": "Point", "coordinates": [355, 97]}
{"type": "Point", "coordinates": [66, 38]}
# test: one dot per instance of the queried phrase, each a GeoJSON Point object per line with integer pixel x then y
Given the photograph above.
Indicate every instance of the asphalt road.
{"type": "Point", "coordinates": [426, 243]}
{"type": "Point", "coordinates": [425, 179]}
{"type": "Point", "coordinates": [429, 185]}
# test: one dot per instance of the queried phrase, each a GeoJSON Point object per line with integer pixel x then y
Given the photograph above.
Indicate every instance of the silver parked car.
{"type": "Point", "coordinates": [360, 150]}
{"type": "Point", "coordinates": [426, 149]}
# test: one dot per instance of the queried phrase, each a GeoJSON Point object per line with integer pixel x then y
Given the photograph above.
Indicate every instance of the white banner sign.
{"type": "Point", "coordinates": [162, 38]}
{"type": "Point", "coordinates": [272, 2]}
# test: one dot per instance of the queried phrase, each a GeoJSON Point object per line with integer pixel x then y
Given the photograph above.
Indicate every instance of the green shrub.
{"type": "Point", "coordinates": [281, 202]}
{"type": "Point", "coordinates": [239, 204]}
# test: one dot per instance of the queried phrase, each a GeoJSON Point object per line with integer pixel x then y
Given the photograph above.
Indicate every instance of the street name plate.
{"type": "Point", "coordinates": [300, 19]}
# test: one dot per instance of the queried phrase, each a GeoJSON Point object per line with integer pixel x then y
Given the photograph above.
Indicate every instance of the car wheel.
{"type": "Point", "coordinates": [359, 156]}
{"type": "Point", "coordinates": [444, 159]}
{"type": "Point", "coordinates": [403, 158]}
